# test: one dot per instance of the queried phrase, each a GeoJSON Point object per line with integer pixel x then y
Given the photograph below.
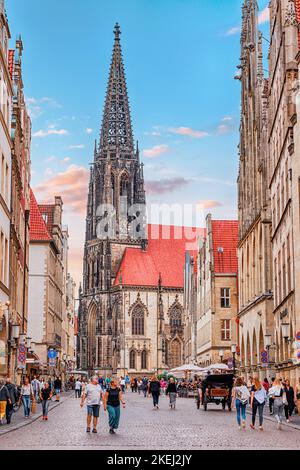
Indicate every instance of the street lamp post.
{"type": "Point", "coordinates": [268, 344]}
{"type": "Point", "coordinates": [221, 353]}
{"type": "Point", "coordinates": [233, 350]}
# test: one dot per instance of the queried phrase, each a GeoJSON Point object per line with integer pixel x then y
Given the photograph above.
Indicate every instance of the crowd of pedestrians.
{"type": "Point", "coordinates": [278, 394]}
{"type": "Point", "coordinates": [28, 394]}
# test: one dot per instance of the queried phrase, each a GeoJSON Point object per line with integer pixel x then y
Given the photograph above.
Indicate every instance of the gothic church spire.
{"type": "Point", "coordinates": [116, 134]}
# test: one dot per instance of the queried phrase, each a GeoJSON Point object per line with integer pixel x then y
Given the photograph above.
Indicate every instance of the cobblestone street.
{"type": "Point", "coordinates": [143, 428]}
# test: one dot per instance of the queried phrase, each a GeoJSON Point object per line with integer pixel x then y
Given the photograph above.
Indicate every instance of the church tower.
{"type": "Point", "coordinates": [115, 220]}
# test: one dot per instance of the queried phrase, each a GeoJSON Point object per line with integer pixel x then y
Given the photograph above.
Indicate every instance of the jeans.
{"type": "Point", "coordinates": [9, 412]}
{"type": "Point", "coordinates": [278, 409]}
{"type": "Point", "coordinates": [271, 404]}
{"type": "Point", "coordinates": [289, 409]}
{"type": "Point", "coordinates": [114, 416]}
{"type": "Point", "coordinates": [260, 407]}
{"type": "Point", "coordinates": [155, 396]}
{"type": "Point", "coordinates": [240, 410]}
{"type": "Point", "coordinates": [26, 404]}
{"type": "Point", "coordinates": [45, 407]}
{"type": "Point", "coordinates": [77, 393]}
{"type": "Point", "coordinates": [145, 392]}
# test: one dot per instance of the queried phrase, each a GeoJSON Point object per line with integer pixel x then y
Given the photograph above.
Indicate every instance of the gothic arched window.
{"type": "Point", "coordinates": [138, 321]}
{"type": "Point", "coordinates": [144, 359]}
{"type": "Point", "coordinates": [176, 317]}
{"type": "Point", "coordinates": [132, 360]}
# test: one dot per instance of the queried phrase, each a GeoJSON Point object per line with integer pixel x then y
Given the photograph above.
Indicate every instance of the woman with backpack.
{"type": "Point", "coordinates": [240, 397]}
{"type": "Point", "coordinates": [257, 402]}
{"type": "Point", "coordinates": [154, 390]}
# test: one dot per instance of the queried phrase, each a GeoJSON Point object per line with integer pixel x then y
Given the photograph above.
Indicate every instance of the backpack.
{"type": "Point", "coordinates": [242, 394]}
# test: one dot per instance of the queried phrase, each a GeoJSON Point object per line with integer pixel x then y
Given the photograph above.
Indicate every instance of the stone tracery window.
{"type": "Point", "coordinates": [138, 321]}
{"type": "Point", "coordinates": [176, 317]}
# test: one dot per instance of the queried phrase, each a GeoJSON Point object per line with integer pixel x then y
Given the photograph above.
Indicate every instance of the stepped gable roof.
{"type": "Point", "coordinates": [225, 242]}
{"type": "Point", "coordinates": [164, 257]}
{"type": "Point", "coordinates": [38, 229]}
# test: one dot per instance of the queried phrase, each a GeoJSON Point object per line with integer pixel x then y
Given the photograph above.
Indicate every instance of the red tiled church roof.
{"type": "Point", "coordinates": [11, 55]}
{"type": "Point", "coordinates": [165, 255]}
{"type": "Point", "coordinates": [297, 7]}
{"type": "Point", "coordinates": [38, 229]}
{"type": "Point", "coordinates": [225, 241]}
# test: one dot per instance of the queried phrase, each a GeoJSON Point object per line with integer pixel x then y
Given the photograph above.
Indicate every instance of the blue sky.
{"type": "Point", "coordinates": [180, 58]}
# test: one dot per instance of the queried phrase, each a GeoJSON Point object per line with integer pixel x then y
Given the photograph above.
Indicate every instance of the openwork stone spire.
{"type": "Point", "coordinates": [290, 14]}
{"type": "Point", "coordinates": [116, 134]}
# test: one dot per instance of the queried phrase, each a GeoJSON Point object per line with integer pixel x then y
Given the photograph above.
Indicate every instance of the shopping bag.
{"type": "Point", "coordinates": [33, 406]}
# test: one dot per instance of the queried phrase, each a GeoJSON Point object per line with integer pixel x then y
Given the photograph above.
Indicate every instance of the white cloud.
{"type": "Point", "coordinates": [227, 118]}
{"type": "Point", "coordinates": [233, 31]}
{"type": "Point", "coordinates": [223, 129]}
{"type": "Point", "coordinates": [42, 134]}
{"type": "Point", "coordinates": [80, 146]}
{"type": "Point", "coordinates": [89, 130]}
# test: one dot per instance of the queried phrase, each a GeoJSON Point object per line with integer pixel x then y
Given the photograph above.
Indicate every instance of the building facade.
{"type": "Point", "coordinates": [46, 287]}
{"type": "Point", "coordinates": [6, 93]}
{"type": "Point", "coordinates": [20, 204]}
{"type": "Point", "coordinates": [211, 295]}
{"type": "Point", "coordinates": [284, 175]}
{"type": "Point", "coordinates": [254, 208]}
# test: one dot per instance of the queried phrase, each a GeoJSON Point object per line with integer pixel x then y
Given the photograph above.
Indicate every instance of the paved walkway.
{"type": "Point", "coordinates": [18, 420]}
{"type": "Point", "coordinates": [295, 423]}
{"type": "Point", "coordinates": [142, 427]}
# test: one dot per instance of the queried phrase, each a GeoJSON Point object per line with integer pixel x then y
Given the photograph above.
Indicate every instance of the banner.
{"type": "Point", "coordinates": [22, 353]}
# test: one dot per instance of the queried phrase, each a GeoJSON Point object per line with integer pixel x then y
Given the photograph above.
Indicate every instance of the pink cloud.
{"type": "Point", "coordinates": [189, 132]}
{"type": "Point", "coordinates": [264, 16]}
{"type": "Point", "coordinates": [71, 185]}
{"type": "Point", "coordinates": [156, 151]}
{"type": "Point", "coordinates": [209, 204]}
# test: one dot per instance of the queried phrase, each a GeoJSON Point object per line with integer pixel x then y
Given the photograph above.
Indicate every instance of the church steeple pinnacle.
{"type": "Point", "coordinates": [116, 133]}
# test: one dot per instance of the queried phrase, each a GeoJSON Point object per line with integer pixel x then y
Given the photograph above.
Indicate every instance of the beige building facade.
{"type": "Point", "coordinates": [254, 211]}
{"type": "Point", "coordinates": [269, 194]}
{"type": "Point", "coordinates": [6, 92]}
{"type": "Point", "coordinates": [211, 296]}
{"type": "Point", "coordinates": [284, 172]}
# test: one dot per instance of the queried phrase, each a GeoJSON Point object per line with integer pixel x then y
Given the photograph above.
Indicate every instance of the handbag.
{"type": "Point", "coordinates": [33, 406]}
{"type": "Point", "coordinates": [284, 399]}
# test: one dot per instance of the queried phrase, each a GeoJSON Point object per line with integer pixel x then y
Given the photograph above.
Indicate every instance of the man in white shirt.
{"type": "Point", "coordinates": [36, 386]}
{"type": "Point", "coordinates": [92, 394]}
{"type": "Point", "coordinates": [78, 387]}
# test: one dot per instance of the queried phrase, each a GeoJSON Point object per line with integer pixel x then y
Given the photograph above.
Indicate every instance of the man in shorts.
{"type": "Point", "coordinates": [92, 394]}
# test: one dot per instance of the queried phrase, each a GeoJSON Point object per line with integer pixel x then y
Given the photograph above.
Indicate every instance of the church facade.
{"type": "Point", "coordinates": [130, 317]}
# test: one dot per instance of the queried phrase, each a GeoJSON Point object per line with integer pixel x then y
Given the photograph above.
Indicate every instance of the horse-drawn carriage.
{"type": "Point", "coordinates": [217, 389]}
